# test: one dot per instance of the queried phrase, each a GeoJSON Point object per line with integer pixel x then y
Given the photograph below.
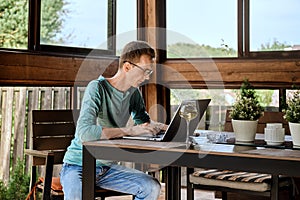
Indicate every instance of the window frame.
{"type": "Point", "coordinates": [261, 54]}
{"type": "Point", "coordinates": [243, 40]}
{"type": "Point", "coordinates": [34, 28]}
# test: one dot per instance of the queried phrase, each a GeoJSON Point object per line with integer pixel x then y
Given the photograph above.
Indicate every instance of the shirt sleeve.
{"type": "Point", "coordinates": [87, 128]}
{"type": "Point", "coordinates": [138, 109]}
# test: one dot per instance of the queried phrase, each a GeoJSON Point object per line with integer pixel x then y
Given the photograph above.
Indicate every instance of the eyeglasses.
{"type": "Point", "coordinates": [147, 72]}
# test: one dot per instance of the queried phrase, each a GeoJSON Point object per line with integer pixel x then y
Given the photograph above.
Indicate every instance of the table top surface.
{"type": "Point", "coordinates": [236, 150]}
{"type": "Point", "coordinates": [208, 155]}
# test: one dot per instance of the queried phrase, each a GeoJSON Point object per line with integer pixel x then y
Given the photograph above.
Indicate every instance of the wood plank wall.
{"type": "Point", "coordinates": [26, 69]}
{"type": "Point", "coordinates": [267, 73]}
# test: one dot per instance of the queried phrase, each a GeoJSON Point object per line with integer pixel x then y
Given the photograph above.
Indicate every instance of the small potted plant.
{"type": "Point", "coordinates": [292, 115]}
{"type": "Point", "coordinates": [245, 113]}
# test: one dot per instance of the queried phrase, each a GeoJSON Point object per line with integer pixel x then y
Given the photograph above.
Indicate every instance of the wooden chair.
{"type": "Point", "coordinates": [52, 132]}
{"type": "Point", "coordinates": [203, 179]}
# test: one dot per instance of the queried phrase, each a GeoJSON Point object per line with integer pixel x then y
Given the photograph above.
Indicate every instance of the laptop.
{"type": "Point", "coordinates": [176, 130]}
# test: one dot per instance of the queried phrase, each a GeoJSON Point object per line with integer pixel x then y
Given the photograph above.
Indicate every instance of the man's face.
{"type": "Point", "coordinates": [141, 71]}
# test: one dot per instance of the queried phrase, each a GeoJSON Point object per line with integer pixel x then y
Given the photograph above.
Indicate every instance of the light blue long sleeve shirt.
{"type": "Point", "coordinates": [104, 106]}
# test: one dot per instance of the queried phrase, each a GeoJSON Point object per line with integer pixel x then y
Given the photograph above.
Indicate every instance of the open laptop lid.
{"type": "Point", "coordinates": [176, 131]}
{"type": "Point", "coordinates": [177, 128]}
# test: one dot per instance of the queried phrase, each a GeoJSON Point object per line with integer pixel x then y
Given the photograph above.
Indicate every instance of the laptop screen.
{"type": "Point", "coordinates": [176, 131]}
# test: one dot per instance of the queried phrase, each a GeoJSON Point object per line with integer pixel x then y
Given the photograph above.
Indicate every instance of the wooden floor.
{"type": "Point", "coordinates": [207, 195]}
{"type": "Point", "coordinates": [199, 195]}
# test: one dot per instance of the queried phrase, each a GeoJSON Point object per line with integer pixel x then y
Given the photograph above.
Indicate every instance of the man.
{"type": "Point", "coordinates": [106, 107]}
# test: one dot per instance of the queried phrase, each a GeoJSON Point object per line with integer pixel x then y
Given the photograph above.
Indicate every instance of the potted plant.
{"type": "Point", "coordinates": [245, 113]}
{"type": "Point", "coordinates": [292, 115]}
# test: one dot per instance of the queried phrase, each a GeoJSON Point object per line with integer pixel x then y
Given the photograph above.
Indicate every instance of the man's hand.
{"type": "Point", "coordinates": [149, 129]}
{"type": "Point", "coordinates": [143, 129]}
{"type": "Point", "coordinates": [159, 125]}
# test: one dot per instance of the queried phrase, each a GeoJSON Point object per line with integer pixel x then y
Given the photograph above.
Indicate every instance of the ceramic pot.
{"type": "Point", "coordinates": [295, 133]}
{"type": "Point", "coordinates": [244, 130]}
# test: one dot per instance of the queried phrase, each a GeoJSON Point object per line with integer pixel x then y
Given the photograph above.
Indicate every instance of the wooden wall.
{"type": "Point", "coordinates": [25, 69]}
{"type": "Point", "coordinates": [267, 73]}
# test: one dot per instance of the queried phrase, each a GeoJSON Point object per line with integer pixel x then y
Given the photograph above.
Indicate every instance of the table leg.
{"type": "Point", "coordinates": [88, 175]}
{"type": "Point", "coordinates": [173, 183]}
{"type": "Point", "coordinates": [275, 187]}
{"type": "Point", "coordinates": [189, 185]}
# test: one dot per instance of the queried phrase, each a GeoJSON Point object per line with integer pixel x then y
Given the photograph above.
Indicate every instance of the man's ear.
{"type": "Point", "coordinates": [126, 66]}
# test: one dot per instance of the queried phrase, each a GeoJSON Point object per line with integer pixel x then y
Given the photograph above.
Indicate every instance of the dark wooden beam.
{"type": "Point", "coordinates": [25, 69]}
{"type": "Point", "coordinates": [228, 73]}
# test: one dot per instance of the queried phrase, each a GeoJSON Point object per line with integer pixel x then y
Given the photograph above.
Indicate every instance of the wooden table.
{"type": "Point", "coordinates": [175, 155]}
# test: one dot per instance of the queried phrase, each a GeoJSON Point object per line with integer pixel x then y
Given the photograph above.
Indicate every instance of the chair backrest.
{"type": "Point", "coordinates": [268, 117]}
{"type": "Point", "coordinates": [53, 130]}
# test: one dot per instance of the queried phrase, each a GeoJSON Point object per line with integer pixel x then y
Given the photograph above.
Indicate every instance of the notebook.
{"type": "Point", "coordinates": [176, 131]}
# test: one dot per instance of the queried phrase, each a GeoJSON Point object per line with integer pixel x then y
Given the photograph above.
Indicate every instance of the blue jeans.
{"type": "Point", "coordinates": [115, 177]}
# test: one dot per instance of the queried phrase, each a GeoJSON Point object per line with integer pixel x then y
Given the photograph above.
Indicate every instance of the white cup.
{"type": "Point", "coordinates": [274, 134]}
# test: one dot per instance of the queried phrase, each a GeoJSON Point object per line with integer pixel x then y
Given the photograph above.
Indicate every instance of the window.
{"type": "Point", "coordinates": [90, 25]}
{"type": "Point", "coordinates": [82, 25]}
{"type": "Point", "coordinates": [201, 28]}
{"type": "Point", "coordinates": [126, 23]}
{"type": "Point", "coordinates": [74, 23]}
{"type": "Point", "coordinates": [274, 25]}
{"type": "Point", "coordinates": [70, 26]}
{"type": "Point", "coordinates": [221, 100]}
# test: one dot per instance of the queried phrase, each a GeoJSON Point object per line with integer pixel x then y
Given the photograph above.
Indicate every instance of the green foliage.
{"type": "Point", "coordinates": [247, 106]}
{"type": "Point", "coordinates": [3, 191]}
{"type": "Point", "coordinates": [14, 22]}
{"type": "Point", "coordinates": [185, 50]}
{"type": "Point", "coordinates": [18, 185]}
{"type": "Point", "coordinates": [52, 21]}
{"type": "Point", "coordinates": [177, 95]}
{"type": "Point", "coordinates": [196, 50]}
{"type": "Point", "coordinates": [264, 97]}
{"type": "Point", "coordinates": [292, 110]}
{"type": "Point", "coordinates": [275, 46]}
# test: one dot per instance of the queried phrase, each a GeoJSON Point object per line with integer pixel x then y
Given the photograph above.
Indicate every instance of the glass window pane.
{"type": "Point", "coordinates": [14, 24]}
{"type": "Point", "coordinates": [202, 28]}
{"type": "Point", "coordinates": [290, 93]}
{"type": "Point", "coordinates": [75, 23]}
{"type": "Point", "coordinates": [126, 23]}
{"type": "Point", "coordinates": [221, 100]}
{"type": "Point", "coordinates": [274, 25]}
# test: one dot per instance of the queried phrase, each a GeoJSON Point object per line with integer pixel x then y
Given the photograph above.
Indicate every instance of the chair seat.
{"type": "Point", "coordinates": [236, 180]}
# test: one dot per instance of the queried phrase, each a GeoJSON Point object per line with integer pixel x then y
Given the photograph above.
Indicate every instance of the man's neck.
{"type": "Point", "coordinates": [119, 82]}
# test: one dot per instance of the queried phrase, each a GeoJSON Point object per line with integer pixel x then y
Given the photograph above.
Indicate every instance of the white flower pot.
{"type": "Point", "coordinates": [244, 130]}
{"type": "Point", "coordinates": [295, 133]}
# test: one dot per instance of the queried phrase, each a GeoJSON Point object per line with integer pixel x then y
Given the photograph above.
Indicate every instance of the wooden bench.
{"type": "Point", "coordinates": [213, 179]}
{"type": "Point", "coordinates": [52, 132]}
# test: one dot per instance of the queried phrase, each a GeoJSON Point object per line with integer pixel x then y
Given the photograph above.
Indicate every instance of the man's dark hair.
{"type": "Point", "coordinates": [134, 50]}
